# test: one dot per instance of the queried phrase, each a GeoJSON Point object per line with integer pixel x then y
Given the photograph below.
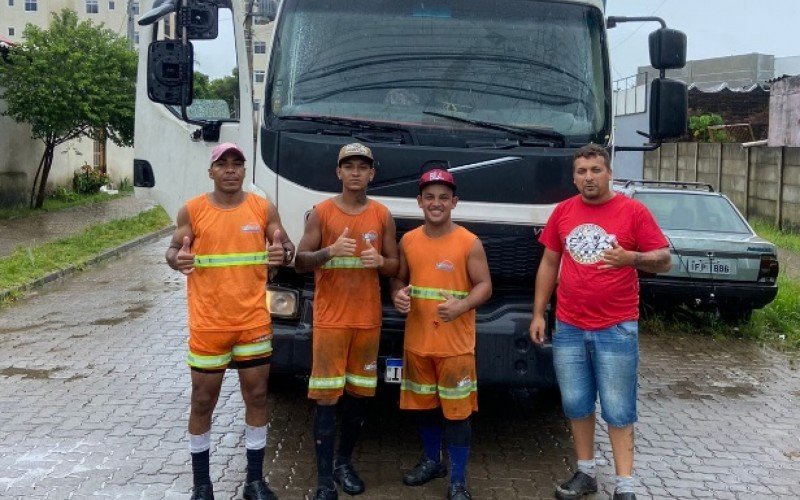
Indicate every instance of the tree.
{"type": "Point", "coordinates": [73, 79]}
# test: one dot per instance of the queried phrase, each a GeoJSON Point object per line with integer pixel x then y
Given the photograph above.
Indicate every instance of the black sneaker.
{"type": "Point", "coordinates": [202, 492]}
{"type": "Point", "coordinates": [424, 471]}
{"type": "Point", "coordinates": [458, 491]}
{"type": "Point", "coordinates": [324, 493]}
{"type": "Point", "coordinates": [624, 496]}
{"type": "Point", "coordinates": [581, 484]}
{"type": "Point", "coordinates": [258, 490]}
{"type": "Point", "coordinates": [346, 477]}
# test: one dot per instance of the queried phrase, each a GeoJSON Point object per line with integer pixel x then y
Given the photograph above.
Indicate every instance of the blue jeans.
{"type": "Point", "coordinates": [592, 362]}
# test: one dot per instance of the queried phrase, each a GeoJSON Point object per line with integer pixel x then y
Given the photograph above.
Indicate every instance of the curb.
{"type": "Point", "coordinates": [75, 268]}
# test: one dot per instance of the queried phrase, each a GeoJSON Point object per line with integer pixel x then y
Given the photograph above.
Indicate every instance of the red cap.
{"type": "Point", "coordinates": [223, 148]}
{"type": "Point", "coordinates": [437, 176]}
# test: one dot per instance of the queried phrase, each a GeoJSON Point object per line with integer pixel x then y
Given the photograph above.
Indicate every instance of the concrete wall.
{"type": "Point", "coordinates": [737, 71]}
{"type": "Point", "coordinates": [762, 182]}
{"type": "Point", "coordinates": [784, 112]}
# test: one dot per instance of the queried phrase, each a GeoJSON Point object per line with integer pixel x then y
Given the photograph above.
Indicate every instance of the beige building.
{"type": "Point", "coordinates": [19, 155]}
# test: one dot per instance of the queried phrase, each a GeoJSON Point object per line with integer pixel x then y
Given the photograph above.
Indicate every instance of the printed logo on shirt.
{"type": "Point", "coordinates": [465, 382]}
{"type": "Point", "coordinates": [587, 242]}
{"type": "Point", "coordinates": [370, 236]}
{"type": "Point", "coordinates": [445, 266]}
{"type": "Point", "coordinates": [251, 228]}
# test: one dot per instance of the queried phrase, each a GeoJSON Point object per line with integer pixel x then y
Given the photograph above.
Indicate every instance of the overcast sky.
{"type": "Point", "coordinates": [714, 28]}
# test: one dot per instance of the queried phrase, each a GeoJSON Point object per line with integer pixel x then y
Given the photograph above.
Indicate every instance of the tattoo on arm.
{"type": "Point", "coordinates": [656, 261]}
{"type": "Point", "coordinates": [313, 260]}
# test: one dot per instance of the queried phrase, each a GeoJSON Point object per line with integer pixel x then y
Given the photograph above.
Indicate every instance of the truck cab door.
{"type": "Point", "coordinates": [206, 62]}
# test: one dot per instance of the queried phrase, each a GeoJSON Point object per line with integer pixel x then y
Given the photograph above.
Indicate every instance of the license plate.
{"type": "Point", "coordinates": [394, 370]}
{"type": "Point", "coordinates": [708, 266]}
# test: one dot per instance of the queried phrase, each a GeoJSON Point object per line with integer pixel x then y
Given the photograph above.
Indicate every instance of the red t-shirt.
{"type": "Point", "coordinates": [589, 297]}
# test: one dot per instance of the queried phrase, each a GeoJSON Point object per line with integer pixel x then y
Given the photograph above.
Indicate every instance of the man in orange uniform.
{"type": "Point", "coordinates": [348, 240]}
{"type": "Point", "coordinates": [443, 277]}
{"type": "Point", "coordinates": [222, 246]}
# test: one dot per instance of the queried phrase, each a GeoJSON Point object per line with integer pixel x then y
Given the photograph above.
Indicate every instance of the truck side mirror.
{"type": "Point", "coordinates": [202, 20]}
{"type": "Point", "coordinates": [169, 72]}
{"type": "Point", "coordinates": [667, 49]}
{"type": "Point", "coordinates": [669, 100]}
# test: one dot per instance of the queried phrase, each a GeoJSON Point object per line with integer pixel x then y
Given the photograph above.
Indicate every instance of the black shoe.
{"type": "Point", "coordinates": [326, 494]}
{"type": "Point", "coordinates": [202, 492]}
{"type": "Point", "coordinates": [424, 471]}
{"type": "Point", "coordinates": [458, 491]}
{"type": "Point", "coordinates": [345, 476]}
{"type": "Point", "coordinates": [581, 484]}
{"type": "Point", "coordinates": [624, 496]}
{"type": "Point", "coordinates": [258, 490]}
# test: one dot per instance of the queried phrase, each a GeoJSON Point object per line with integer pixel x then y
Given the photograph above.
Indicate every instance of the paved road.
{"type": "Point", "coordinates": [48, 226]}
{"type": "Point", "coordinates": [94, 391]}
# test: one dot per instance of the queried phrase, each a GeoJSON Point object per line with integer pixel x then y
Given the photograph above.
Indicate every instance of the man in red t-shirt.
{"type": "Point", "coordinates": [604, 239]}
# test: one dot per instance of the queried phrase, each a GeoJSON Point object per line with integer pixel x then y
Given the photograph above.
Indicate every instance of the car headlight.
{"type": "Point", "coordinates": [282, 302]}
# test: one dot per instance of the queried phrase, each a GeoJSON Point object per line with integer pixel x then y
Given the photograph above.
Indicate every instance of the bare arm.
{"type": "Point", "coordinates": [391, 261]}
{"type": "Point", "coordinates": [281, 249]}
{"type": "Point", "coordinates": [309, 254]}
{"type": "Point", "coordinates": [179, 255]}
{"type": "Point", "coordinates": [478, 269]}
{"type": "Point", "coordinates": [399, 285]}
{"type": "Point", "coordinates": [654, 261]}
{"type": "Point", "coordinates": [546, 278]}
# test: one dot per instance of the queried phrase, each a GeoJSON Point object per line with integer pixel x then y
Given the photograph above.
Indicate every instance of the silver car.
{"type": "Point", "coordinates": [718, 262]}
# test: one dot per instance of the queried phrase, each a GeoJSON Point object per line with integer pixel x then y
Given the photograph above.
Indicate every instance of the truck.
{"type": "Point", "coordinates": [499, 93]}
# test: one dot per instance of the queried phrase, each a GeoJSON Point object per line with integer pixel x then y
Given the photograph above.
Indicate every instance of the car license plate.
{"type": "Point", "coordinates": [709, 266]}
{"type": "Point", "coordinates": [394, 371]}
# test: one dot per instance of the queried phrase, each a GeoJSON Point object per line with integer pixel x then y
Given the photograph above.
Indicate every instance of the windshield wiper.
{"type": "Point", "coordinates": [524, 132]}
{"type": "Point", "coordinates": [347, 122]}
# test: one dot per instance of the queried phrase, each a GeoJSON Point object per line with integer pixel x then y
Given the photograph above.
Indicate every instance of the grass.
{"type": "Point", "coordinates": [783, 239]}
{"type": "Point", "coordinates": [61, 200]}
{"type": "Point", "coordinates": [27, 264]}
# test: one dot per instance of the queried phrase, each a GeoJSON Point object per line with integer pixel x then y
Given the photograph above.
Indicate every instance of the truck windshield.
{"type": "Point", "coordinates": [520, 63]}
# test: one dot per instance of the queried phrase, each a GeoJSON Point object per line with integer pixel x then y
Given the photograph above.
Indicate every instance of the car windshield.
{"type": "Point", "coordinates": [520, 63]}
{"type": "Point", "coordinates": [693, 212]}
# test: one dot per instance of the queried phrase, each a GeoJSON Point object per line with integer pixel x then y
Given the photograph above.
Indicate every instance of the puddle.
{"type": "Point", "coordinates": [29, 372]}
{"type": "Point", "coordinates": [692, 390]}
{"type": "Point", "coordinates": [132, 312]}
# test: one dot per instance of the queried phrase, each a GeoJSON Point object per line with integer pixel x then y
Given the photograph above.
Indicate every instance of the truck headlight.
{"type": "Point", "coordinates": [282, 302]}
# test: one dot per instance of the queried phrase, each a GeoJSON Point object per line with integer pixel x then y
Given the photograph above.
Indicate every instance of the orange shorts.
{"type": "Point", "coordinates": [344, 358]}
{"type": "Point", "coordinates": [214, 350]}
{"type": "Point", "coordinates": [431, 381]}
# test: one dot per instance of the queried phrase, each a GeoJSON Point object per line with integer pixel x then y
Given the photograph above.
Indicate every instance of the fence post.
{"type": "Point", "coordinates": [696, 158]}
{"type": "Point", "coordinates": [658, 164]}
{"type": "Point", "coordinates": [779, 202]}
{"type": "Point", "coordinates": [719, 168]}
{"type": "Point", "coordinates": [747, 185]}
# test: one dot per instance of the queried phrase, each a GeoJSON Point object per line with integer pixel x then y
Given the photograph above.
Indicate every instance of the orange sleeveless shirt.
{"type": "Point", "coordinates": [346, 294]}
{"type": "Point", "coordinates": [436, 264]}
{"type": "Point", "coordinates": [227, 290]}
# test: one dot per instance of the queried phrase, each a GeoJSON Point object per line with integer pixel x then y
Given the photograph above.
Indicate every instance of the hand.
{"type": "Point", "coordinates": [451, 308]}
{"type": "Point", "coordinates": [402, 300]}
{"type": "Point", "coordinates": [276, 252]}
{"type": "Point", "coordinates": [343, 246]}
{"type": "Point", "coordinates": [371, 258]}
{"type": "Point", "coordinates": [184, 260]}
{"type": "Point", "coordinates": [616, 257]}
{"type": "Point", "coordinates": [537, 328]}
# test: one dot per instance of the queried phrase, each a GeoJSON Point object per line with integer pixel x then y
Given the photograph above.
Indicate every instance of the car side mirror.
{"type": "Point", "coordinates": [169, 72]}
{"type": "Point", "coordinates": [669, 100]}
{"type": "Point", "coordinates": [667, 49]}
{"type": "Point", "coordinates": [202, 20]}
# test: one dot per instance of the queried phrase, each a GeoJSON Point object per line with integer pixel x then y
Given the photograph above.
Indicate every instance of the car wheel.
{"type": "Point", "coordinates": [735, 316]}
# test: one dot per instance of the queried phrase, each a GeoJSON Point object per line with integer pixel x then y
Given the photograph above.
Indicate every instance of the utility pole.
{"type": "Point", "coordinates": [131, 32]}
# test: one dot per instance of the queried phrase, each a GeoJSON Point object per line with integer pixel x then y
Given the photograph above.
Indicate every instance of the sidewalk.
{"type": "Point", "coordinates": [49, 226]}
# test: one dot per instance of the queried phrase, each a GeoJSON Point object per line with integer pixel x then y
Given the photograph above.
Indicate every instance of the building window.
{"type": "Point", "coordinates": [10, 3]}
{"type": "Point", "coordinates": [11, 31]}
{"type": "Point", "coordinates": [112, 5]}
{"type": "Point", "coordinates": [256, 105]}
{"type": "Point", "coordinates": [136, 37]}
{"type": "Point", "coordinates": [92, 7]}
{"type": "Point", "coordinates": [31, 5]}
{"type": "Point", "coordinates": [260, 47]}
{"type": "Point", "coordinates": [258, 76]}
{"type": "Point", "coordinates": [135, 8]}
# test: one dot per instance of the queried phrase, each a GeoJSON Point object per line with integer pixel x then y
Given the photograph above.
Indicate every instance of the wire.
{"type": "Point", "coordinates": [639, 27]}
